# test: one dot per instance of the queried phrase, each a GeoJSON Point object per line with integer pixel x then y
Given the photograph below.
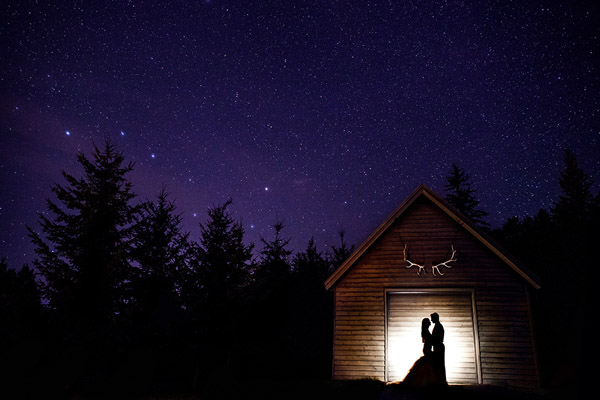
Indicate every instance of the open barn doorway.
{"type": "Point", "coordinates": [404, 312]}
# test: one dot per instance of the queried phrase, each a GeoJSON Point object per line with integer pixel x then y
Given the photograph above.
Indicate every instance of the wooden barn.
{"type": "Point", "coordinates": [426, 257]}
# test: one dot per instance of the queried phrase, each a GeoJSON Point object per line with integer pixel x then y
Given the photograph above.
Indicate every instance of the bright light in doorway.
{"type": "Point", "coordinates": [405, 347]}
{"type": "Point", "coordinates": [406, 310]}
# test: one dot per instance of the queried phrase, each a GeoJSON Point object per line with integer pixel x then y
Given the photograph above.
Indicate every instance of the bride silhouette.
{"type": "Point", "coordinates": [424, 372]}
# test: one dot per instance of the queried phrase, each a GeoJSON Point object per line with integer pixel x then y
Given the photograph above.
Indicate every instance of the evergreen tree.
{"type": "Point", "coordinates": [274, 269]}
{"type": "Point", "coordinates": [461, 195]}
{"type": "Point", "coordinates": [23, 332]}
{"type": "Point", "coordinates": [20, 303]}
{"type": "Point", "coordinates": [312, 264]}
{"type": "Point", "coordinates": [161, 252]}
{"type": "Point", "coordinates": [531, 240]}
{"type": "Point", "coordinates": [222, 263]}
{"type": "Point", "coordinates": [83, 254]}
{"type": "Point", "coordinates": [158, 349]}
{"type": "Point", "coordinates": [215, 292]}
{"type": "Point", "coordinates": [576, 204]}
{"type": "Point", "coordinates": [574, 215]}
{"type": "Point", "coordinates": [268, 343]}
{"type": "Point", "coordinates": [312, 309]}
{"type": "Point", "coordinates": [575, 218]}
{"type": "Point", "coordinates": [341, 253]}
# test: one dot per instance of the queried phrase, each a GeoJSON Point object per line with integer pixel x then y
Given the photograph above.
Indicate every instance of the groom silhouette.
{"type": "Point", "coordinates": [439, 350]}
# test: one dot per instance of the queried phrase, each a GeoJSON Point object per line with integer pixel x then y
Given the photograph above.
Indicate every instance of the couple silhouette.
{"type": "Point", "coordinates": [429, 370]}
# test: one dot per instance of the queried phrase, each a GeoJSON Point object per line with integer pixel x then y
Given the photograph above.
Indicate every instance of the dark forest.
{"type": "Point", "coordinates": [120, 300]}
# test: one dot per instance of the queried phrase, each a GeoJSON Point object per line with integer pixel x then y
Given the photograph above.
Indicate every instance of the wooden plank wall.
{"type": "Point", "coordinates": [505, 336]}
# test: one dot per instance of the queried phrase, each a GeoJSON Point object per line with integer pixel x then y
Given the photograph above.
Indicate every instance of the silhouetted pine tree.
{"type": "Point", "coordinates": [161, 251]}
{"type": "Point", "coordinates": [20, 303]}
{"type": "Point", "coordinates": [531, 240]}
{"type": "Point", "coordinates": [222, 263]}
{"type": "Point", "coordinates": [461, 195]}
{"type": "Point", "coordinates": [274, 268]}
{"type": "Point", "coordinates": [574, 215]}
{"type": "Point", "coordinates": [215, 291]}
{"type": "Point", "coordinates": [84, 250]}
{"type": "Point", "coordinates": [313, 265]}
{"type": "Point", "coordinates": [159, 349]}
{"type": "Point", "coordinates": [576, 204]}
{"type": "Point", "coordinates": [268, 326]}
{"type": "Point", "coordinates": [341, 253]}
{"type": "Point", "coordinates": [23, 330]}
{"type": "Point", "coordinates": [577, 236]}
{"type": "Point", "coordinates": [311, 309]}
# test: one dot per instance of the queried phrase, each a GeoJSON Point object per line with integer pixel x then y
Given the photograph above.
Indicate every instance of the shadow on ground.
{"type": "Point", "coordinates": [337, 390]}
{"type": "Point", "coordinates": [375, 390]}
{"type": "Point", "coordinates": [465, 392]}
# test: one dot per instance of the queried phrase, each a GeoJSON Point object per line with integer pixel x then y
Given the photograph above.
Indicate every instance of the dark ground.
{"type": "Point", "coordinates": [346, 390]}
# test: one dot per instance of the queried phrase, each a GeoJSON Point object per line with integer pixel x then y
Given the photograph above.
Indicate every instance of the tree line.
{"type": "Point", "coordinates": [560, 246]}
{"type": "Point", "coordinates": [119, 297]}
{"type": "Point", "coordinates": [125, 299]}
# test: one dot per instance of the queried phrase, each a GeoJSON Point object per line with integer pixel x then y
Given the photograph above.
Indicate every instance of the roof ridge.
{"type": "Point", "coordinates": [478, 233]}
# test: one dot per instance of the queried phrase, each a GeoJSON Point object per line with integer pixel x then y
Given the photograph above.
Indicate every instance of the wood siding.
{"type": "Point", "coordinates": [503, 317]}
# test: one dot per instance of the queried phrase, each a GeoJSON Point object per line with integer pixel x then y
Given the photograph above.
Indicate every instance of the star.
{"type": "Point", "coordinates": [257, 117]}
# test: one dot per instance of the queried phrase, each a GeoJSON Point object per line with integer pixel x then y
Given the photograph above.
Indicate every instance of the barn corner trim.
{"type": "Point", "coordinates": [469, 226]}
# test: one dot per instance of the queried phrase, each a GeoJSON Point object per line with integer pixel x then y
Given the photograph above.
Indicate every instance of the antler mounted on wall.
{"type": "Point", "coordinates": [445, 263]}
{"type": "Point", "coordinates": [421, 269]}
{"type": "Point", "coordinates": [435, 267]}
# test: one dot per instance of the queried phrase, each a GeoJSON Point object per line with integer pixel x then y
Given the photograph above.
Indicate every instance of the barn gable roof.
{"type": "Point", "coordinates": [478, 233]}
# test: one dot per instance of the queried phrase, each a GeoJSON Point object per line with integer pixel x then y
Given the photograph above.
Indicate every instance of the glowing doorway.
{"type": "Point", "coordinates": [405, 311]}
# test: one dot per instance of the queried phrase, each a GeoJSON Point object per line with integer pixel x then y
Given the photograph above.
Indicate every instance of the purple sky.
{"type": "Point", "coordinates": [324, 114]}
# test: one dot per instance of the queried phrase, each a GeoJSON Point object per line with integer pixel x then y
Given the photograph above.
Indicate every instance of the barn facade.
{"type": "Point", "coordinates": [424, 258]}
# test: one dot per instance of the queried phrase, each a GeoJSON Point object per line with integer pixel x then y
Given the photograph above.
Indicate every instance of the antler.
{"type": "Point", "coordinates": [421, 269]}
{"type": "Point", "coordinates": [445, 263]}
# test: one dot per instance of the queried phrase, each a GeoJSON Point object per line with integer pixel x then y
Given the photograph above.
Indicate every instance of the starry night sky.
{"type": "Point", "coordinates": [323, 114]}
